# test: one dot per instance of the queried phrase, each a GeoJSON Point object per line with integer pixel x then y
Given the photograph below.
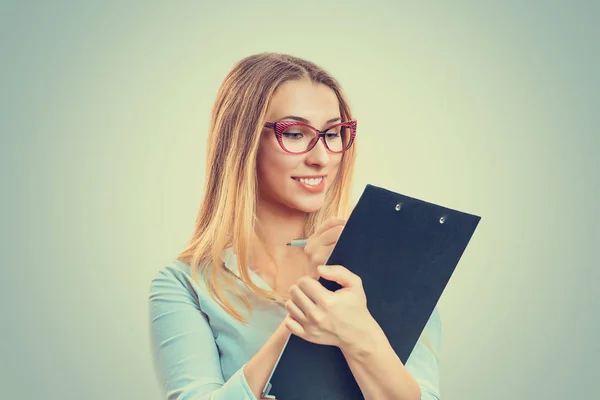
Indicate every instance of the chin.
{"type": "Point", "coordinates": [308, 206]}
{"type": "Point", "coordinates": [309, 210]}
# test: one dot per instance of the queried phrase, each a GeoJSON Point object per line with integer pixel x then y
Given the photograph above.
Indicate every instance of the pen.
{"type": "Point", "coordinates": [297, 243]}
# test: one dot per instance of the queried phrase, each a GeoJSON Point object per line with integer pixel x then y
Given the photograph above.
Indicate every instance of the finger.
{"type": "Point", "coordinates": [314, 274]}
{"type": "Point", "coordinates": [331, 235]}
{"type": "Point", "coordinates": [316, 292]}
{"type": "Point", "coordinates": [321, 254]}
{"type": "Point", "coordinates": [304, 303]}
{"type": "Point", "coordinates": [328, 223]}
{"type": "Point", "coordinates": [295, 311]}
{"type": "Point", "coordinates": [339, 274]}
{"type": "Point", "coordinates": [319, 247]}
{"type": "Point", "coordinates": [294, 326]}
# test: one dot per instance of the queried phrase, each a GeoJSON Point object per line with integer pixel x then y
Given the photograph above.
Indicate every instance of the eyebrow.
{"type": "Point", "coordinates": [300, 119]}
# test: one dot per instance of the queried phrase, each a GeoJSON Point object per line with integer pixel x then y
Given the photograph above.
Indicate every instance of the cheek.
{"type": "Point", "coordinates": [271, 160]}
{"type": "Point", "coordinates": [335, 165]}
{"type": "Point", "coordinates": [274, 169]}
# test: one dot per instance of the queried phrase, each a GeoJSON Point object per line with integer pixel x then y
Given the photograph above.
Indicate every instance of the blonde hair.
{"type": "Point", "coordinates": [227, 215]}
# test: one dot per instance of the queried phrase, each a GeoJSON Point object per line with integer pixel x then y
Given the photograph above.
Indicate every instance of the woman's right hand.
{"type": "Point", "coordinates": [320, 244]}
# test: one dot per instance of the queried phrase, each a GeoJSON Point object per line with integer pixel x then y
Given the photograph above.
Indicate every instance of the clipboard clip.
{"type": "Point", "coordinates": [399, 207]}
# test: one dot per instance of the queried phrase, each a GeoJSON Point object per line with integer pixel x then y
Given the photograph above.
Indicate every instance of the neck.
{"type": "Point", "coordinates": [276, 226]}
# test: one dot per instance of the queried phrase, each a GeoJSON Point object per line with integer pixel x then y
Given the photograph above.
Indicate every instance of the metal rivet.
{"type": "Point", "coordinates": [442, 219]}
{"type": "Point", "coordinates": [398, 206]}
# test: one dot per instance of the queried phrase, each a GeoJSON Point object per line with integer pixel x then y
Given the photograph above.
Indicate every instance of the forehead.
{"type": "Point", "coordinates": [313, 101]}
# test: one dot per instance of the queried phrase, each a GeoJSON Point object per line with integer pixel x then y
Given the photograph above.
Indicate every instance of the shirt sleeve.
{"type": "Point", "coordinates": [185, 355]}
{"type": "Point", "coordinates": [425, 365]}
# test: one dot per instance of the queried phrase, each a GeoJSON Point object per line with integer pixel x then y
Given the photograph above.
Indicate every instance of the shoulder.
{"type": "Point", "coordinates": [435, 319]}
{"type": "Point", "coordinates": [174, 271]}
{"type": "Point", "coordinates": [434, 323]}
{"type": "Point", "coordinates": [175, 279]}
{"type": "Point", "coordinates": [433, 328]}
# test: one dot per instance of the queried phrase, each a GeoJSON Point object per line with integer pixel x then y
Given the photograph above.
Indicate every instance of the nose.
{"type": "Point", "coordinates": [318, 155]}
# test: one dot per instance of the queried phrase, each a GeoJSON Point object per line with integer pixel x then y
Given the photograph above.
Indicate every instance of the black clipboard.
{"type": "Point", "coordinates": [405, 251]}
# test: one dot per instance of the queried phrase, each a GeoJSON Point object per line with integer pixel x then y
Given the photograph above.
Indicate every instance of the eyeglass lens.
{"type": "Point", "coordinates": [299, 138]}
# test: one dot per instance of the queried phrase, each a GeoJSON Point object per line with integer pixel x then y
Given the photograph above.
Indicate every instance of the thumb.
{"type": "Point", "coordinates": [339, 274]}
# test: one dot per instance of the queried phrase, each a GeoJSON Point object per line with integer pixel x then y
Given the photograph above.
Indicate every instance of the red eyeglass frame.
{"type": "Point", "coordinates": [279, 127]}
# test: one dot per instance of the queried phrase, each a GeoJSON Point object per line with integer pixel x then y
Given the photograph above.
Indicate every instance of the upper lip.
{"type": "Point", "coordinates": [310, 176]}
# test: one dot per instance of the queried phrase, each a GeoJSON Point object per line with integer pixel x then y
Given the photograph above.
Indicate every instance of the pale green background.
{"type": "Point", "coordinates": [488, 109]}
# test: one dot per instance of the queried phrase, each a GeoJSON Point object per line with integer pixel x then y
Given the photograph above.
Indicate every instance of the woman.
{"type": "Point", "coordinates": [281, 151]}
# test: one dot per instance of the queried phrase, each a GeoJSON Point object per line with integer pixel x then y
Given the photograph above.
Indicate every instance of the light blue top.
{"type": "Point", "coordinates": [199, 350]}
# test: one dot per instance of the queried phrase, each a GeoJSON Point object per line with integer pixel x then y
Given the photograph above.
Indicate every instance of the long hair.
{"type": "Point", "coordinates": [227, 215]}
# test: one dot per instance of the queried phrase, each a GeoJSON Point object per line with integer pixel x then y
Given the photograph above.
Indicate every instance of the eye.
{"type": "Point", "coordinates": [332, 135]}
{"type": "Point", "coordinates": [293, 135]}
{"type": "Point", "coordinates": [297, 132]}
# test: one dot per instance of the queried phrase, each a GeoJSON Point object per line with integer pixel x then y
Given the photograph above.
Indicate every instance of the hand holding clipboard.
{"type": "Point", "coordinates": [405, 251]}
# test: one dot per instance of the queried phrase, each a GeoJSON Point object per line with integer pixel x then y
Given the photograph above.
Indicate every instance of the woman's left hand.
{"type": "Point", "coordinates": [318, 315]}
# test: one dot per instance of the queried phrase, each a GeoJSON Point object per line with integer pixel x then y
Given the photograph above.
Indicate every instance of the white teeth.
{"type": "Point", "coordinates": [311, 181]}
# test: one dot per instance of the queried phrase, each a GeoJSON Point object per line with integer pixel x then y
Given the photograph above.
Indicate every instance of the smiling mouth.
{"type": "Point", "coordinates": [310, 181]}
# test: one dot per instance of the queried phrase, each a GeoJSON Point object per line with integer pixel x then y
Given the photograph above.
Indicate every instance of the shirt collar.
{"type": "Point", "coordinates": [231, 262]}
